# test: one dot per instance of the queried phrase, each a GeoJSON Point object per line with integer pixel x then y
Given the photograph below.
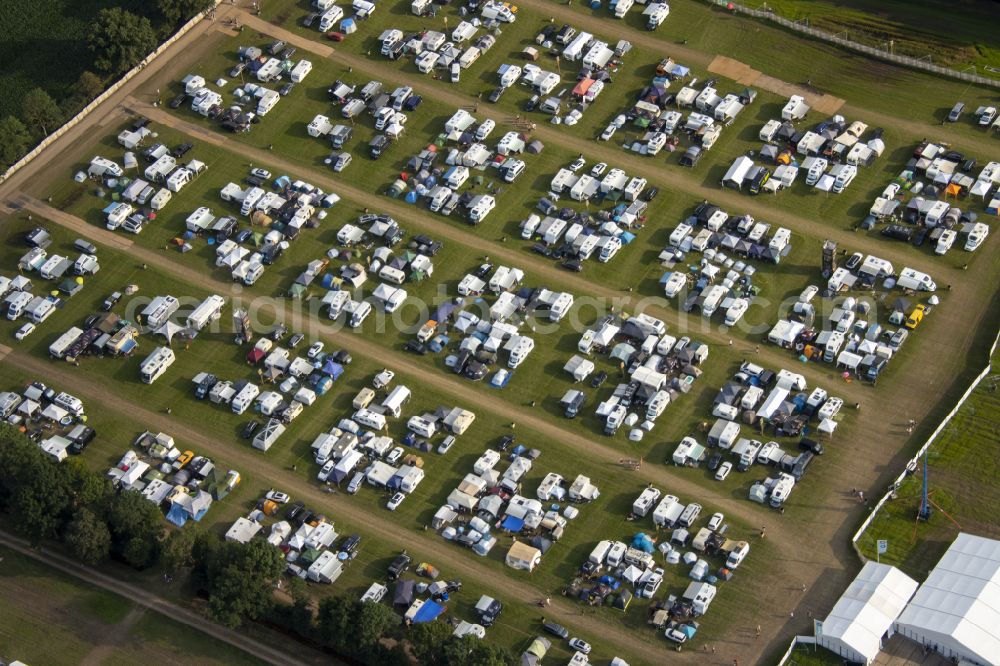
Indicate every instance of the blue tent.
{"type": "Point", "coordinates": [411, 197]}
{"type": "Point", "coordinates": [627, 237]}
{"type": "Point", "coordinates": [283, 182]}
{"type": "Point", "coordinates": [512, 524]}
{"type": "Point", "coordinates": [428, 612]}
{"type": "Point", "coordinates": [334, 370]}
{"type": "Point", "coordinates": [322, 385]}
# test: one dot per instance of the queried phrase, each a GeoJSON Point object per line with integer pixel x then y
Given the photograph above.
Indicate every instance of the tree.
{"type": "Point", "coordinates": [470, 651]}
{"type": "Point", "coordinates": [135, 525]}
{"type": "Point", "coordinates": [175, 11]}
{"type": "Point", "coordinates": [178, 549]}
{"type": "Point", "coordinates": [120, 39]}
{"type": "Point", "coordinates": [241, 579]}
{"type": "Point", "coordinates": [427, 641]}
{"type": "Point", "coordinates": [87, 537]}
{"type": "Point", "coordinates": [86, 88]}
{"type": "Point", "coordinates": [371, 622]}
{"type": "Point", "coordinates": [333, 621]}
{"type": "Point", "coordinates": [14, 140]}
{"type": "Point", "coordinates": [40, 111]}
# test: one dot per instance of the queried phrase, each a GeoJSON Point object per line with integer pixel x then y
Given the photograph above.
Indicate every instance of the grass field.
{"type": "Point", "coordinates": [957, 35]}
{"type": "Point", "coordinates": [961, 472]}
{"type": "Point", "coordinates": [93, 626]}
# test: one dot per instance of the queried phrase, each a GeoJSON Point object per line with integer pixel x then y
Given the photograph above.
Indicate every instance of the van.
{"type": "Point", "coordinates": [456, 72]}
{"type": "Point", "coordinates": [689, 515]}
{"type": "Point", "coordinates": [70, 403]}
{"type": "Point", "coordinates": [657, 404]}
{"type": "Point", "coordinates": [609, 249]}
{"type": "Point", "coordinates": [833, 346]}
{"type": "Point", "coordinates": [156, 364]}
{"type": "Point", "coordinates": [737, 555]}
{"type": "Point", "coordinates": [956, 112]}
{"type": "Point", "coordinates": [359, 312]}
{"type": "Point", "coordinates": [355, 484]}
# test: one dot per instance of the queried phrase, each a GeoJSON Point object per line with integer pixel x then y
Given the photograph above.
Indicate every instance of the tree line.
{"type": "Point", "coordinates": [118, 39]}
{"type": "Point", "coordinates": [80, 509]}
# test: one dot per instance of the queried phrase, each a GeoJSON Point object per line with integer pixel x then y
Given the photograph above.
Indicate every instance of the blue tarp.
{"type": "Point", "coordinates": [512, 524]}
{"type": "Point", "coordinates": [428, 612]}
{"type": "Point", "coordinates": [334, 370]}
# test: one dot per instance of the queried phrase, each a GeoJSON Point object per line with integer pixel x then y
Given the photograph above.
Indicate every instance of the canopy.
{"type": "Point", "coordinates": [513, 524]}
{"type": "Point", "coordinates": [428, 612]}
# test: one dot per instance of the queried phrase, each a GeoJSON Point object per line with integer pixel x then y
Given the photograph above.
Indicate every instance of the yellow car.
{"type": "Point", "coordinates": [915, 317]}
{"type": "Point", "coordinates": [184, 459]}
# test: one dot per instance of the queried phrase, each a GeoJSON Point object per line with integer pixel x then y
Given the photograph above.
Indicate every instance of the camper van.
{"type": "Point", "coordinates": [58, 348]}
{"type": "Point", "coordinates": [358, 311]}
{"type": "Point", "coordinates": [522, 348]}
{"type": "Point", "coordinates": [156, 364]}
{"type": "Point", "coordinates": [913, 279]}
{"type": "Point", "coordinates": [844, 178]}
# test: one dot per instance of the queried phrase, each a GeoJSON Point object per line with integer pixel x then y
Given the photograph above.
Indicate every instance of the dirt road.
{"type": "Point", "coordinates": [146, 600]}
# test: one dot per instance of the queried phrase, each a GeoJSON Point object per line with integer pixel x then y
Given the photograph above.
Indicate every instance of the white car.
{"type": "Point", "coordinates": [723, 471]}
{"type": "Point", "coordinates": [395, 501]}
{"type": "Point", "coordinates": [315, 350]}
{"type": "Point", "coordinates": [577, 164]}
{"type": "Point", "coordinates": [260, 173]}
{"type": "Point", "coordinates": [598, 169]}
{"type": "Point", "coordinates": [580, 645]}
{"type": "Point", "coordinates": [608, 132]}
{"type": "Point", "coordinates": [327, 470]}
{"type": "Point", "coordinates": [446, 445]}
{"type": "Point", "coordinates": [715, 522]}
{"type": "Point", "coordinates": [383, 379]}
{"type": "Point", "coordinates": [277, 496]}
{"type": "Point", "coordinates": [24, 331]}
{"type": "Point", "coordinates": [394, 456]}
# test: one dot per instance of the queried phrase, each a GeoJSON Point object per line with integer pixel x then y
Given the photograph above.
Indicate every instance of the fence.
{"type": "Point", "coordinates": [923, 449]}
{"type": "Point", "coordinates": [796, 641]}
{"type": "Point", "coordinates": [882, 54]}
{"type": "Point", "coordinates": [87, 110]}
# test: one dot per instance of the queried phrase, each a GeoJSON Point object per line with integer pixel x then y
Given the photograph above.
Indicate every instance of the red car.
{"type": "Point", "coordinates": [335, 36]}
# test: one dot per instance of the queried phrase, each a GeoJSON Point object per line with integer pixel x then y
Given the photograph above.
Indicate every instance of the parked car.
{"type": "Point", "coordinates": [24, 331]}
{"type": "Point", "coordinates": [263, 174]}
{"type": "Point", "coordinates": [277, 496]}
{"type": "Point", "coordinates": [296, 340]}
{"type": "Point", "coordinates": [446, 445]}
{"type": "Point", "coordinates": [315, 350]}
{"type": "Point", "coordinates": [556, 630]}
{"type": "Point", "coordinates": [577, 164]}
{"type": "Point", "coordinates": [399, 565]}
{"type": "Point", "coordinates": [715, 522]}
{"type": "Point", "coordinates": [249, 429]}
{"type": "Point", "coordinates": [724, 470]}
{"type": "Point", "coordinates": [650, 193]}
{"type": "Point", "coordinates": [394, 455]}
{"type": "Point", "coordinates": [598, 379]}
{"type": "Point", "coordinates": [395, 501]}
{"type": "Point", "coordinates": [579, 645]}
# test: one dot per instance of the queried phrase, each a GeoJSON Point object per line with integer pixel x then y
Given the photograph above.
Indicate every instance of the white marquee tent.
{"type": "Point", "coordinates": [865, 612]}
{"type": "Point", "coordinates": [956, 611]}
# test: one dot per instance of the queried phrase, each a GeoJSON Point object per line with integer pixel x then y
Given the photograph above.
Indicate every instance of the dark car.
{"type": "Point", "coordinates": [416, 347]}
{"type": "Point", "coordinates": [650, 193]}
{"type": "Point", "coordinates": [295, 510]}
{"type": "Point", "coordinates": [310, 19]}
{"type": "Point", "coordinates": [542, 249]}
{"type": "Point", "coordinates": [714, 462]}
{"type": "Point", "coordinates": [489, 615]}
{"type": "Point", "coordinates": [203, 388]}
{"type": "Point", "coordinates": [342, 357]}
{"type": "Point", "coordinates": [556, 630]}
{"type": "Point", "coordinates": [598, 379]}
{"type": "Point", "coordinates": [254, 181]}
{"type": "Point", "coordinates": [276, 47]}
{"type": "Point", "coordinates": [181, 150]}
{"type": "Point", "coordinates": [919, 237]}
{"type": "Point", "coordinates": [296, 340]}
{"type": "Point", "coordinates": [237, 69]}
{"type": "Point", "coordinates": [811, 445]}
{"type": "Point", "coordinates": [81, 437]}
{"type": "Point", "coordinates": [176, 102]}
{"type": "Point", "coordinates": [399, 565]}
{"type": "Point", "coordinates": [285, 89]}
{"type": "Point", "coordinates": [497, 94]}
{"type": "Point", "coordinates": [483, 270]}
{"type": "Point", "coordinates": [243, 236]}
{"type": "Point", "coordinates": [504, 443]}
{"type": "Point", "coordinates": [287, 53]}
{"type": "Point", "coordinates": [531, 104]}
{"type": "Point", "coordinates": [572, 265]}
{"type": "Point", "coordinates": [350, 544]}
{"type": "Point", "coordinates": [249, 429]}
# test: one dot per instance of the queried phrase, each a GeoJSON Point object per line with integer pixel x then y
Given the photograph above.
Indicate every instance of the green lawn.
{"type": "Point", "coordinates": [91, 624]}
{"type": "Point", "coordinates": [955, 36]}
{"type": "Point", "coordinates": [961, 472]}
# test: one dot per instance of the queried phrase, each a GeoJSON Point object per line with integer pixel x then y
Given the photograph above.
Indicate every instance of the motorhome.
{"type": "Point", "coordinates": [156, 364]}
{"type": "Point", "coordinates": [207, 311]}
